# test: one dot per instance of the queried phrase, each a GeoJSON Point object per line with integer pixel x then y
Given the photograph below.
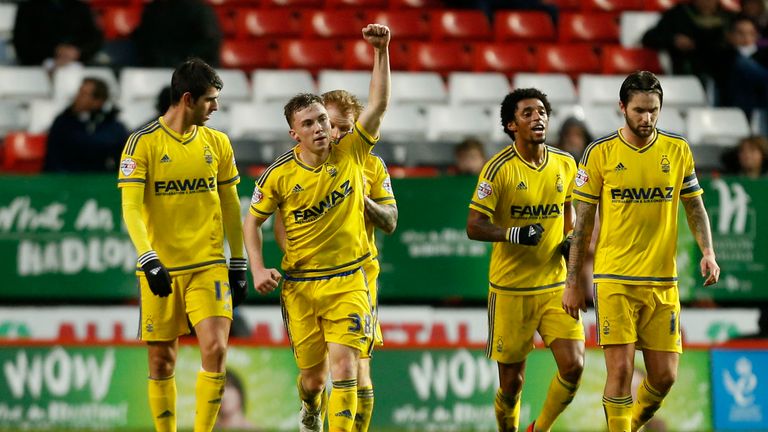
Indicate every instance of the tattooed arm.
{"type": "Point", "coordinates": [698, 222]}
{"type": "Point", "coordinates": [383, 216]}
{"type": "Point", "coordinates": [574, 296]}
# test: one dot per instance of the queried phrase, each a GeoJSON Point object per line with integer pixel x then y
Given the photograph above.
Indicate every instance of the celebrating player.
{"type": "Point", "coordinates": [638, 175]}
{"type": "Point", "coordinates": [179, 199]}
{"type": "Point", "coordinates": [317, 189]}
{"type": "Point", "coordinates": [523, 205]}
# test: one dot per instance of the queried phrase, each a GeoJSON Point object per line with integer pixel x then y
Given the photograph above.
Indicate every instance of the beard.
{"type": "Point", "coordinates": [637, 130]}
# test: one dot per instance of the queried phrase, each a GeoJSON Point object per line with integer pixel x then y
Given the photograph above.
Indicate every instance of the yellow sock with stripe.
{"type": "Point", "coordinates": [313, 402]}
{"type": "Point", "coordinates": [208, 390]}
{"type": "Point", "coordinates": [162, 403]}
{"type": "Point", "coordinates": [364, 408]}
{"type": "Point", "coordinates": [560, 394]}
{"type": "Point", "coordinates": [648, 402]}
{"type": "Point", "coordinates": [342, 406]}
{"type": "Point", "coordinates": [507, 412]}
{"type": "Point", "coordinates": [618, 413]}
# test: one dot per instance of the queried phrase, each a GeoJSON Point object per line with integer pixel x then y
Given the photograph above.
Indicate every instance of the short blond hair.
{"type": "Point", "coordinates": [344, 101]}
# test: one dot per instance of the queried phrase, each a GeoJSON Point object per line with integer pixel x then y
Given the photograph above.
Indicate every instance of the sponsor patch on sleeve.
{"type": "Point", "coordinates": [387, 185]}
{"type": "Point", "coordinates": [581, 177]}
{"type": "Point", "coordinates": [484, 190]}
{"type": "Point", "coordinates": [127, 166]}
{"type": "Point", "coordinates": [258, 195]}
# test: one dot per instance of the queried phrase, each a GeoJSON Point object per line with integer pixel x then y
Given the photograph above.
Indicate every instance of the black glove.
{"type": "Point", "coordinates": [157, 275]}
{"type": "Point", "coordinates": [528, 235]}
{"type": "Point", "coordinates": [565, 247]}
{"type": "Point", "coordinates": [238, 281]}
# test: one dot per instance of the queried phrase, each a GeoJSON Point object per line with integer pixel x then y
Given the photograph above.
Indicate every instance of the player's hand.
{"type": "Point", "coordinates": [158, 278]}
{"type": "Point", "coordinates": [574, 300]}
{"type": "Point", "coordinates": [565, 246]}
{"type": "Point", "coordinates": [377, 35]}
{"type": "Point", "coordinates": [238, 280]}
{"type": "Point", "coordinates": [710, 270]}
{"type": "Point", "coordinates": [265, 280]}
{"type": "Point", "coordinates": [529, 235]}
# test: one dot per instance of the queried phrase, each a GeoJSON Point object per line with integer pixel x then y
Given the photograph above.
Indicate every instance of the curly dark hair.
{"type": "Point", "coordinates": [509, 105]}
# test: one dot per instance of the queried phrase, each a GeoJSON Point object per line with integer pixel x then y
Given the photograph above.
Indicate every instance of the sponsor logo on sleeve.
{"type": "Point", "coordinates": [387, 185]}
{"type": "Point", "coordinates": [258, 195]}
{"type": "Point", "coordinates": [484, 190]}
{"type": "Point", "coordinates": [127, 166]}
{"type": "Point", "coordinates": [581, 177]}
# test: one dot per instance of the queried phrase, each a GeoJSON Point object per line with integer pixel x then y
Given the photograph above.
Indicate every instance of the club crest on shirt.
{"type": "Point", "coordinates": [207, 155]}
{"type": "Point", "coordinates": [484, 190]}
{"type": "Point", "coordinates": [581, 177]}
{"type": "Point", "coordinates": [258, 195]}
{"type": "Point", "coordinates": [331, 170]}
{"type": "Point", "coordinates": [127, 166]}
{"type": "Point", "coordinates": [559, 183]}
{"type": "Point", "coordinates": [665, 165]}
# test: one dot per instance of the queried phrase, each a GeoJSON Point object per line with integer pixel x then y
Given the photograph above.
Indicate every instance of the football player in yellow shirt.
{"type": "Point", "coordinates": [638, 176]}
{"type": "Point", "coordinates": [178, 182]}
{"type": "Point", "coordinates": [522, 204]}
{"type": "Point", "coordinates": [317, 190]}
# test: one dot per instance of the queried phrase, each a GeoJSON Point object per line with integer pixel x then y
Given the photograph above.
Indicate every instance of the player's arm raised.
{"type": "Point", "coordinates": [265, 280]}
{"type": "Point", "coordinates": [698, 222]}
{"type": "Point", "coordinates": [378, 94]}
{"type": "Point", "coordinates": [574, 296]}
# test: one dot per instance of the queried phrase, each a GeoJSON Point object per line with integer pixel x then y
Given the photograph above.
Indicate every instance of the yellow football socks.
{"type": "Point", "coordinates": [162, 403]}
{"type": "Point", "coordinates": [560, 394]}
{"type": "Point", "coordinates": [507, 412]}
{"type": "Point", "coordinates": [208, 391]}
{"type": "Point", "coordinates": [364, 408]}
{"type": "Point", "coordinates": [342, 406]}
{"type": "Point", "coordinates": [618, 413]}
{"type": "Point", "coordinates": [648, 402]}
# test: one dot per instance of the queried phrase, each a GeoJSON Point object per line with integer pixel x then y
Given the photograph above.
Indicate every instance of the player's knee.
{"type": "Point", "coordinates": [162, 364]}
{"type": "Point", "coordinates": [364, 373]}
{"type": "Point", "coordinates": [571, 371]}
{"type": "Point", "coordinates": [512, 382]}
{"type": "Point", "coordinates": [663, 382]}
{"type": "Point", "coordinates": [313, 383]}
{"type": "Point", "coordinates": [214, 351]}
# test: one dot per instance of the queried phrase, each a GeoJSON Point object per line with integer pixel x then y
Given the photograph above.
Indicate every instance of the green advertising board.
{"type": "Point", "coordinates": [62, 239]}
{"type": "Point", "coordinates": [445, 390]}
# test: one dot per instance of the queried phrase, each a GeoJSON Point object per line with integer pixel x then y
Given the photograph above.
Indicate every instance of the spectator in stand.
{"type": "Point", "coordinates": [574, 137]}
{"type": "Point", "coordinates": [749, 158]}
{"type": "Point", "coordinates": [758, 12]}
{"type": "Point", "coordinates": [171, 31]}
{"type": "Point", "coordinates": [86, 137]}
{"type": "Point", "coordinates": [690, 33]}
{"type": "Point", "coordinates": [57, 32]}
{"type": "Point", "coordinates": [742, 74]}
{"type": "Point", "coordinates": [469, 157]}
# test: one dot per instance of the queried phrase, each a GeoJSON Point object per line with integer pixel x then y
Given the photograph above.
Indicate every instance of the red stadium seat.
{"type": "Point", "coordinates": [24, 152]}
{"type": "Point", "coordinates": [414, 4]}
{"type": "Point", "coordinates": [358, 55]}
{"type": "Point", "coordinates": [248, 54]}
{"type": "Point", "coordinates": [407, 24]}
{"type": "Point", "coordinates": [355, 4]}
{"type": "Point", "coordinates": [442, 57]}
{"type": "Point", "coordinates": [504, 57]}
{"type": "Point", "coordinates": [337, 24]}
{"type": "Point", "coordinates": [589, 27]}
{"type": "Point", "coordinates": [617, 60]}
{"type": "Point", "coordinates": [460, 25]}
{"type": "Point", "coordinates": [612, 5]}
{"type": "Point", "coordinates": [523, 26]}
{"type": "Point", "coordinates": [292, 4]}
{"type": "Point", "coordinates": [226, 17]}
{"type": "Point", "coordinates": [311, 55]}
{"type": "Point", "coordinates": [269, 23]}
{"type": "Point", "coordinates": [572, 59]}
{"type": "Point", "coordinates": [119, 22]}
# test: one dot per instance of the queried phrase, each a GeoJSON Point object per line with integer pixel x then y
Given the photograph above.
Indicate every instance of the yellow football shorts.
{"type": "Point", "coordinates": [195, 296]}
{"type": "Point", "coordinates": [648, 316]}
{"type": "Point", "coordinates": [326, 309]}
{"type": "Point", "coordinates": [513, 319]}
{"type": "Point", "coordinates": [372, 270]}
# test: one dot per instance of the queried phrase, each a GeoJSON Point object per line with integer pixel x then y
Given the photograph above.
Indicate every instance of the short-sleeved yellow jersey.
{"type": "Point", "coordinates": [638, 192]}
{"type": "Point", "coordinates": [180, 175]}
{"type": "Point", "coordinates": [514, 193]}
{"type": "Point", "coordinates": [322, 208]}
{"type": "Point", "coordinates": [378, 187]}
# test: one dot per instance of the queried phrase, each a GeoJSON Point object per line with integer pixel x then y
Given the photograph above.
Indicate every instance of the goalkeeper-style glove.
{"type": "Point", "coordinates": [158, 278]}
{"type": "Point", "coordinates": [528, 235]}
{"type": "Point", "coordinates": [565, 246]}
{"type": "Point", "coordinates": [238, 282]}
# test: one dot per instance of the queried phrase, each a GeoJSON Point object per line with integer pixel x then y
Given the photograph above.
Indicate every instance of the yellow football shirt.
{"type": "Point", "coordinates": [180, 175]}
{"type": "Point", "coordinates": [638, 191]}
{"type": "Point", "coordinates": [378, 187]}
{"type": "Point", "coordinates": [514, 193]}
{"type": "Point", "coordinates": [322, 208]}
